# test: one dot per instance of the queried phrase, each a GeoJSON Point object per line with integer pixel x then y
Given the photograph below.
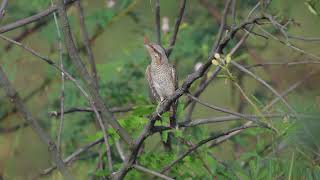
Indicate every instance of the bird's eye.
{"type": "Point", "coordinates": [156, 55]}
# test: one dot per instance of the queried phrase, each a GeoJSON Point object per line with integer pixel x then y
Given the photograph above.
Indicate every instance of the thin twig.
{"type": "Point", "coordinates": [31, 19]}
{"type": "Point", "coordinates": [86, 42]}
{"type": "Point", "coordinates": [198, 155]}
{"type": "Point", "coordinates": [85, 37]}
{"type": "Point", "coordinates": [285, 93]}
{"type": "Point", "coordinates": [233, 12]}
{"type": "Point", "coordinates": [176, 28]}
{"type": "Point", "coordinates": [289, 44]}
{"type": "Point", "coordinates": [204, 85]}
{"type": "Point", "coordinates": [3, 8]}
{"type": "Point", "coordinates": [283, 64]}
{"type": "Point", "coordinates": [291, 88]}
{"type": "Point", "coordinates": [220, 119]}
{"type": "Point", "coordinates": [243, 69]}
{"type": "Point", "coordinates": [72, 157]}
{"type": "Point", "coordinates": [226, 111]}
{"type": "Point", "coordinates": [81, 69]}
{"type": "Point", "coordinates": [154, 173]}
{"type": "Point", "coordinates": [62, 82]}
{"type": "Point", "coordinates": [50, 62]}
{"type": "Point", "coordinates": [25, 99]}
{"type": "Point", "coordinates": [157, 21]}
{"type": "Point", "coordinates": [17, 101]}
{"type": "Point", "coordinates": [199, 144]}
{"type": "Point", "coordinates": [89, 109]}
{"type": "Point", "coordinates": [310, 39]}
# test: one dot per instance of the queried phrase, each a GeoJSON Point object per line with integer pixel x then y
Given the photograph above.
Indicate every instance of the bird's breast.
{"type": "Point", "coordinates": [162, 80]}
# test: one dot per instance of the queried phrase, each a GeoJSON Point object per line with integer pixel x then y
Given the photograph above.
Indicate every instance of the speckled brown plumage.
{"type": "Point", "coordinates": [161, 75]}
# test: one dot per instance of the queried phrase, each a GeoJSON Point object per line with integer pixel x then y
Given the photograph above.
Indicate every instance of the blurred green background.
{"type": "Point", "coordinates": [121, 60]}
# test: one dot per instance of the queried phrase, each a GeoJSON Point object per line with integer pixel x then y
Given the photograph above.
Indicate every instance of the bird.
{"type": "Point", "coordinates": [161, 75]}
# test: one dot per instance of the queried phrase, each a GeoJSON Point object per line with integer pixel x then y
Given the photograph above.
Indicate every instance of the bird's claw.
{"type": "Point", "coordinates": [158, 114]}
{"type": "Point", "coordinates": [157, 109]}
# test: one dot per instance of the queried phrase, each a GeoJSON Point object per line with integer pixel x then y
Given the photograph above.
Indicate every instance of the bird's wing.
{"type": "Point", "coordinates": [174, 76]}
{"type": "Point", "coordinates": [152, 91]}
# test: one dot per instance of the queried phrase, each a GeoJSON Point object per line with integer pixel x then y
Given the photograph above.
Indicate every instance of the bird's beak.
{"type": "Point", "coordinates": [151, 50]}
{"type": "Point", "coordinates": [148, 45]}
{"type": "Point", "coordinates": [146, 41]}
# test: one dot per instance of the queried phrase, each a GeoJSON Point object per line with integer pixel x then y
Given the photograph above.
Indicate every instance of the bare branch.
{"type": "Point", "coordinates": [81, 69]}
{"type": "Point", "coordinates": [17, 101]}
{"type": "Point", "coordinates": [72, 157]}
{"type": "Point", "coordinates": [241, 68]}
{"type": "Point", "coordinates": [226, 111]}
{"type": "Point", "coordinates": [176, 28]}
{"type": "Point", "coordinates": [197, 122]}
{"type": "Point", "coordinates": [202, 142]}
{"type": "Point", "coordinates": [310, 39]}
{"type": "Point", "coordinates": [291, 88]}
{"type": "Point", "coordinates": [86, 42]}
{"type": "Point", "coordinates": [85, 36]}
{"type": "Point", "coordinates": [3, 8]}
{"type": "Point", "coordinates": [31, 19]}
{"type": "Point", "coordinates": [50, 62]}
{"type": "Point", "coordinates": [145, 170]}
{"type": "Point", "coordinates": [88, 109]}
{"type": "Point", "coordinates": [62, 82]}
{"type": "Point", "coordinates": [233, 12]}
{"type": "Point", "coordinates": [157, 21]}
{"type": "Point", "coordinates": [283, 64]}
{"type": "Point", "coordinates": [30, 95]}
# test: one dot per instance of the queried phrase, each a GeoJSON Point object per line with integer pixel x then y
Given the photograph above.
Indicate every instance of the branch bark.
{"type": "Point", "coordinates": [3, 8]}
{"type": "Point", "coordinates": [82, 71]}
{"type": "Point", "coordinates": [157, 21]}
{"type": "Point", "coordinates": [45, 138]}
{"type": "Point", "coordinates": [176, 28]}
{"type": "Point", "coordinates": [31, 19]}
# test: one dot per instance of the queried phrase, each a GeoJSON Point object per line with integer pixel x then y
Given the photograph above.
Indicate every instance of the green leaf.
{"type": "Point", "coordinates": [164, 136]}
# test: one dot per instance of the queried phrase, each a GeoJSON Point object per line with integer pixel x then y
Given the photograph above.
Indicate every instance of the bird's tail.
{"type": "Point", "coordinates": [173, 115]}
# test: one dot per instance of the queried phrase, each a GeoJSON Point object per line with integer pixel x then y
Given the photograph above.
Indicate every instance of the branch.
{"type": "Point", "coordinates": [199, 144]}
{"type": "Point", "coordinates": [176, 28]}
{"type": "Point", "coordinates": [17, 101]}
{"type": "Point", "coordinates": [31, 19]}
{"type": "Point", "coordinates": [62, 92]}
{"type": "Point", "coordinates": [3, 8]}
{"type": "Point", "coordinates": [72, 157]}
{"type": "Point", "coordinates": [220, 119]}
{"type": "Point", "coordinates": [85, 36]}
{"type": "Point", "coordinates": [26, 98]}
{"type": "Point", "coordinates": [88, 109]}
{"type": "Point", "coordinates": [241, 68]}
{"type": "Point", "coordinates": [227, 111]}
{"type": "Point", "coordinates": [290, 89]}
{"type": "Point", "coordinates": [145, 170]}
{"type": "Point", "coordinates": [204, 85]}
{"type": "Point", "coordinates": [81, 69]}
{"type": "Point", "coordinates": [157, 21]}
{"type": "Point", "coordinates": [86, 42]}
{"type": "Point", "coordinates": [312, 39]}
{"type": "Point", "coordinates": [50, 62]}
{"type": "Point", "coordinates": [284, 64]}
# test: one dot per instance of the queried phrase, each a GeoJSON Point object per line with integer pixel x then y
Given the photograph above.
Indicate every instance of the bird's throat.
{"type": "Point", "coordinates": [158, 61]}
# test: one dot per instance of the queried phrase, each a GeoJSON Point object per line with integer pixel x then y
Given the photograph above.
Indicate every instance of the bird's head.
{"type": "Point", "coordinates": [156, 52]}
